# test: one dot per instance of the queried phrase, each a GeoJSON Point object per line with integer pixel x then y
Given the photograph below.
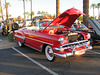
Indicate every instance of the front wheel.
{"type": "Point", "coordinates": [92, 42]}
{"type": "Point", "coordinates": [49, 53]}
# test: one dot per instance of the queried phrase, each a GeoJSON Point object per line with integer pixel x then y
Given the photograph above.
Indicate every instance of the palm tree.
{"type": "Point", "coordinates": [1, 10]}
{"type": "Point", "coordinates": [43, 13]}
{"type": "Point", "coordinates": [93, 6]}
{"type": "Point", "coordinates": [27, 13]}
{"type": "Point", "coordinates": [46, 13]}
{"type": "Point", "coordinates": [57, 7]}
{"type": "Point", "coordinates": [98, 6]}
{"type": "Point", "coordinates": [38, 12]}
{"type": "Point", "coordinates": [32, 13]}
{"type": "Point", "coordinates": [10, 15]}
{"type": "Point", "coordinates": [6, 6]}
{"type": "Point", "coordinates": [31, 9]}
{"type": "Point", "coordinates": [24, 7]}
{"type": "Point", "coordinates": [86, 11]}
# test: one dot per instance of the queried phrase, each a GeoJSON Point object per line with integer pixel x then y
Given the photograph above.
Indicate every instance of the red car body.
{"type": "Point", "coordinates": [55, 39]}
{"type": "Point", "coordinates": [90, 27]}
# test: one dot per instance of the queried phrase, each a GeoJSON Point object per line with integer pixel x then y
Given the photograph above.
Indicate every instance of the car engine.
{"type": "Point", "coordinates": [74, 37]}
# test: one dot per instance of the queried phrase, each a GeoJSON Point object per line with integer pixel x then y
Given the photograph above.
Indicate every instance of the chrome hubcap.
{"type": "Point", "coordinates": [49, 53]}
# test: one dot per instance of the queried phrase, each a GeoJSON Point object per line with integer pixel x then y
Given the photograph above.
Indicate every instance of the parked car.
{"type": "Point", "coordinates": [90, 27]}
{"type": "Point", "coordinates": [83, 28]}
{"type": "Point", "coordinates": [54, 38]}
{"type": "Point", "coordinates": [9, 26]}
{"type": "Point", "coordinates": [95, 34]}
{"type": "Point", "coordinates": [95, 38]}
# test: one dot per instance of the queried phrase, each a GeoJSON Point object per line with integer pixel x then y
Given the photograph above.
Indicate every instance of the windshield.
{"type": "Point", "coordinates": [79, 27]}
{"type": "Point", "coordinates": [41, 25]}
{"type": "Point", "coordinates": [55, 26]}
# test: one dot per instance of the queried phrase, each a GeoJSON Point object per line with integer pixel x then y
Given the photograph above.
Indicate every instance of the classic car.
{"type": "Point", "coordinates": [83, 28]}
{"type": "Point", "coordinates": [54, 38]}
{"type": "Point", "coordinates": [95, 34]}
{"type": "Point", "coordinates": [9, 26]}
{"type": "Point", "coordinates": [95, 38]}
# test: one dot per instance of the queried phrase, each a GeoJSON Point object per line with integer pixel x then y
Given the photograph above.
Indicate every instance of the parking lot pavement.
{"type": "Point", "coordinates": [24, 62]}
{"type": "Point", "coordinates": [13, 63]}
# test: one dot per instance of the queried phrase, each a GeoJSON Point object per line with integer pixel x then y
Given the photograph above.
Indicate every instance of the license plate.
{"type": "Point", "coordinates": [80, 52]}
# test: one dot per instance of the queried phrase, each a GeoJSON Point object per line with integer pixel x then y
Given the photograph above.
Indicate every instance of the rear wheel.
{"type": "Point", "coordinates": [49, 53]}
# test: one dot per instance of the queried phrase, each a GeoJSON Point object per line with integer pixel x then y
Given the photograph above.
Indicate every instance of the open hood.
{"type": "Point", "coordinates": [95, 24]}
{"type": "Point", "coordinates": [67, 18]}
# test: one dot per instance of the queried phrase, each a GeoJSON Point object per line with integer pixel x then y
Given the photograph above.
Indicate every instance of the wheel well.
{"type": "Point", "coordinates": [43, 47]}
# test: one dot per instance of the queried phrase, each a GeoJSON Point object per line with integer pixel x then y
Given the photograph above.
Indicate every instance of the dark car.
{"type": "Point", "coordinates": [96, 30]}
{"type": "Point", "coordinates": [95, 38]}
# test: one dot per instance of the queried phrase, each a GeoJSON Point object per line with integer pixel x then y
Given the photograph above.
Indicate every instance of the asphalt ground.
{"type": "Point", "coordinates": [27, 61]}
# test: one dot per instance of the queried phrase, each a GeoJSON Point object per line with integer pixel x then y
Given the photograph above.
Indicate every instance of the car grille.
{"type": "Point", "coordinates": [75, 44]}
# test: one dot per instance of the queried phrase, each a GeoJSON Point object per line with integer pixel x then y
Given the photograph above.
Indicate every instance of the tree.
{"type": "Point", "coordinates": [42, 12]}
{"type": "Point", "coordinates": [32, 13]}
{"type": "Point", "coordinates": [7, 4]}
{"type": "Point", "coordinates": [27, 13]}
{"type": "Point", "coordinates": [93, 6]}
{"type": "Point", "coordinates": [91, 17]}
{"type": "Point", "coordinates": [86, 11]}
{"type": "Point", "coordinates": [80, 18]}
{"type": "Point", "coordinates": [24, 7]}
{"type": "Point", "coordinates": [38, 12]}
{"type": "Point", "coordinates": [57, 7]}
{"type": "Point", "coordinates": [1, 10]}
{"type": "Point", "coordinates": [98, 6]}
{"type": "Point", "coordinates": [31, 9]}
{"type": "Point", "coordinates": [46, 13]}
{"type": "Point", "coordinates": [10, 15]}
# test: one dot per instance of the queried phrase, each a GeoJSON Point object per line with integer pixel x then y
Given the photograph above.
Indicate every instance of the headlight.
{"type": "Point", "coordinates": [88, 36]}
{"type": "Point", "coordinates": [61, 40]}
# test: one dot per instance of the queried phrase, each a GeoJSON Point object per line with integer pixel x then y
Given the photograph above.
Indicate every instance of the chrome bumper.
{"type": "Point", "coordinates": [74, 52]}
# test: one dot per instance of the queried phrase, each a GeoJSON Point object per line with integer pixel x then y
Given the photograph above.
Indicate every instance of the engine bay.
{"type": "Point", "coordinates": [71, 36]}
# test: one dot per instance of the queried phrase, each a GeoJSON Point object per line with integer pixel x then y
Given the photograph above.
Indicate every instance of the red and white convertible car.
{"type": "Point", "coordinates": [55, 39]}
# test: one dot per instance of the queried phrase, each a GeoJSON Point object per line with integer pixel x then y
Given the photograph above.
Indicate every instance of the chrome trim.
{"type": "Point", "coordinates": [90, 47]}
{"type": "Point", "coordinates": [74, 43]}
{"type": "Point", "coordinates": [74, 52]}
{"type": "Point", "coordinates": [20, 36]}
{"type": "Point", "coordinates": [71, 46]}
{"type": "Point", "coordinates": [38, 40]}
{"type": "Point", "coordinates": [31, 39]}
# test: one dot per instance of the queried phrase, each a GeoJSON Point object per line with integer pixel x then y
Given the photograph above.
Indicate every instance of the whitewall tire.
{"type": "Point", "coordinates": [49, 53]}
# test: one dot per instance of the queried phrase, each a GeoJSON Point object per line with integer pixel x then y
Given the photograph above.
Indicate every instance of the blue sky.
{"type": "Point", "coordinates": [16, 6]}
